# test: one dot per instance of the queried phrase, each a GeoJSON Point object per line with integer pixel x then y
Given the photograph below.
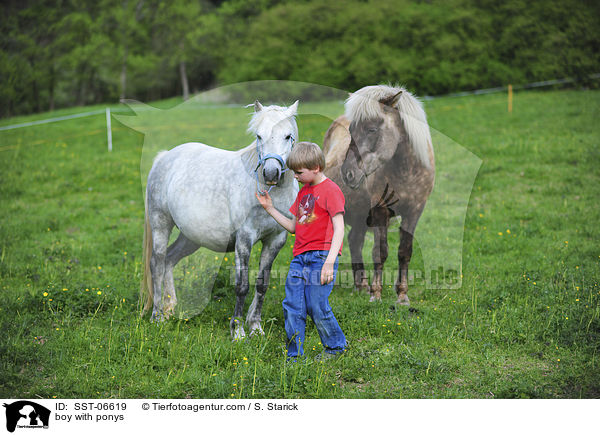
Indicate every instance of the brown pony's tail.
{"type": "Point", "coordinates": [146, 287]}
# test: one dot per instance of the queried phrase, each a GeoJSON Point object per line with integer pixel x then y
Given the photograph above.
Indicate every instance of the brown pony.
{"type": "Point", "coordinates": [381, 156]}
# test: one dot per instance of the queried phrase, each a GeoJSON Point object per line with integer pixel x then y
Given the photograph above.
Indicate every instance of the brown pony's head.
{"type": "Point", "coordinates": [382, 118]}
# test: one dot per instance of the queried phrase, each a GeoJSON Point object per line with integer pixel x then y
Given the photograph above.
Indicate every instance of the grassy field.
{"type": "Point", "coordinates": [524, 324]}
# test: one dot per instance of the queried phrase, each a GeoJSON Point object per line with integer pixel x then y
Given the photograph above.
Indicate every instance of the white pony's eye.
{"type": "Point", "coordinates": [288, 137]}
{"type": "Point", "coordinates": [258, 138]}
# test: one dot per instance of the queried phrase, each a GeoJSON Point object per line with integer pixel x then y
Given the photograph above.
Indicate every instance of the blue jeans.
{"type": "Point", "coordinates": [304, 294]}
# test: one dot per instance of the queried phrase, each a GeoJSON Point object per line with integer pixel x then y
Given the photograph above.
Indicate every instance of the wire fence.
{"type": "Point", "coordinates": [108, 111]}
{"type": "Point", "coordinates": [533, 85]}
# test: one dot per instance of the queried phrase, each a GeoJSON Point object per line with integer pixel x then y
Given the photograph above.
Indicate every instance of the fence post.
{"type": "Point", "coordinates": [108, 129]}
{"type": "Point", "coordinates": [510, 98]}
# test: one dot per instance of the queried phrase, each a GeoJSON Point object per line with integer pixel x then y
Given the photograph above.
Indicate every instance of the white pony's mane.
{"type": "Point", "coordinates": [364, 104]}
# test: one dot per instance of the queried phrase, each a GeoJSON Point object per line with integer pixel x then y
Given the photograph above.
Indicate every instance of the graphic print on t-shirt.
{"type": "Point", "coordinates": [306, 209]}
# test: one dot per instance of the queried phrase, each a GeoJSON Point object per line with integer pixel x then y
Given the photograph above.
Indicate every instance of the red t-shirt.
{"type": "Point", "coordinates": [314, 207]}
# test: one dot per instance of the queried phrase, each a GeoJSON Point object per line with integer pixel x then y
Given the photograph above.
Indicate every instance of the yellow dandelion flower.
{"type": "Point", "coordinates": [500, 233]}
{"type": "Point", "coordinates": [45, 294]}
{"type": "Point", "coordinates": [507, 231]}
{"type": "Point", "coordinates": [99, 293]}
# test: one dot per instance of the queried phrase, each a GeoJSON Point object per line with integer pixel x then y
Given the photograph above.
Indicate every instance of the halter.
{"type": "Point", "coordinates": [262, 160]}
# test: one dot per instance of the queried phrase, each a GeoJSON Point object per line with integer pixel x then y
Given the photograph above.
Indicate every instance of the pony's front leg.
{"type": "Point", "coordinates": [379, 219]}
{"type": "Point", "coordinates": [243, 247]}
{"type": "Point", "coordinates": [379, 255]}
{"type": "Point", "coordinates": [270, 249]}
{"type": "Point", "coordinates": [356, 240]}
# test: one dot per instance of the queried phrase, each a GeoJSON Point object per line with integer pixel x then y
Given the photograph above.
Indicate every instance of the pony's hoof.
{"type": "Point", "coordinates": [362, 287]}
{"type": "Point", "coordinates": [158, 317]}
{"type": "Point", "coordinates": [256, 330]}
{"type": "Point", "coordinates": [169, 310]}
{"type": "Point", "coordinates": [374, 298]}
{"type": "Point", "coordinates": [403, 300]}
{"type": "Point", "coordinates": [239, 334]}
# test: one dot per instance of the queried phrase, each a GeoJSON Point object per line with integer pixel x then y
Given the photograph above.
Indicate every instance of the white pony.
{"type": "Point", "coordinates": [209, 194]}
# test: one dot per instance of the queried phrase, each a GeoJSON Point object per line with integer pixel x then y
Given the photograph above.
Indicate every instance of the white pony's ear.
{"type": "Point", "coordinates": [257, 106]}
{"type": "Point", "coordinates": [293, 109]}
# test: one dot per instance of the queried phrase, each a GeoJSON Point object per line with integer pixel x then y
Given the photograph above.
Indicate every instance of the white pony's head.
{"type": "Point", "coordinates": [276, 131]}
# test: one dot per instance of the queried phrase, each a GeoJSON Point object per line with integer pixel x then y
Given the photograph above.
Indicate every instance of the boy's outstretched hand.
{"type": "Point", "coordinates": [265, 200]}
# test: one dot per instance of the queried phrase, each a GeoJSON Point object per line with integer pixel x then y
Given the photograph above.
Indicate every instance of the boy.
{"type": "Point", "coordinates": [318, 223]}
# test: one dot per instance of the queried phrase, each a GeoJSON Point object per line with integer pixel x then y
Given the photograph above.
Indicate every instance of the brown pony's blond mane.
{"type": "Point", "coordinates": [364, 104]}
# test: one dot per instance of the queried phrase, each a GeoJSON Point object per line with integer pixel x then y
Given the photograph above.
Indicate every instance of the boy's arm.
{"type": "Point", "coordinates": [336, 243]}
{"type": "Point", "coordinates": [285, 222]}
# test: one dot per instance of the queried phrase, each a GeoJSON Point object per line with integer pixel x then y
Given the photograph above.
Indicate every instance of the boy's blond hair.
{"type": "Point", "coordinates": [306, 155]}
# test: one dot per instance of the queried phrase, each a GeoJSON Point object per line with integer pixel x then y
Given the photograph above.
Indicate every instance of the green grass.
{"type": "Point", "coordinates": [524, 323]}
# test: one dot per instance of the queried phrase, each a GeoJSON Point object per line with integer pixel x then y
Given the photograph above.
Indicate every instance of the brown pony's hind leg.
{"type": "Point", "coordinates": [404, 256]}
{"type": "Point", "coordinates": [356, 240]}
